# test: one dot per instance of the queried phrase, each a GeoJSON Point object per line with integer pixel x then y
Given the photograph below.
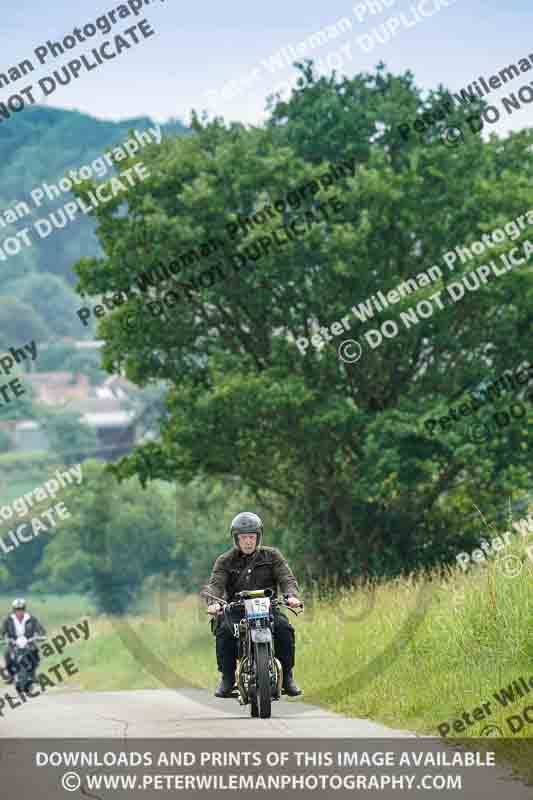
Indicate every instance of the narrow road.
{"type": "Point", "coordinates": [132, 718]}
{"type": "Point", "coordinates": [161, 713]}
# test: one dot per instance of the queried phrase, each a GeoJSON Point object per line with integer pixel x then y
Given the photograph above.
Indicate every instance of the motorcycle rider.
{"type": "Point", "coordinates": [21, 623]}
{"type": "Point", "coordinates": [249, 565]}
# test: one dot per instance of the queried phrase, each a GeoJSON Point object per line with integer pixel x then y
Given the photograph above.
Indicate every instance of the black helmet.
{"type": "Point", "coordinates": [246, 522]}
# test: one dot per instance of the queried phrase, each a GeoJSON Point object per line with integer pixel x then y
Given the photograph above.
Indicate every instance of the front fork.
{"type": "Point", "coordinates": [279, 679]}
{"type": "Point", "coordinates": [244, 673]}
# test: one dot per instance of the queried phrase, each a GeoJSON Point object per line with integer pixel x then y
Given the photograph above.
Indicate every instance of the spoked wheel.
{"type": "Point", "coordinates": [262, 681]}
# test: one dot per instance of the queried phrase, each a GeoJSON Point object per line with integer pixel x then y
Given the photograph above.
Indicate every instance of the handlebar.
{"type": "Point", "coordinates": [28, 641]}
{"type": "Point", "coordinates": [239, 603]}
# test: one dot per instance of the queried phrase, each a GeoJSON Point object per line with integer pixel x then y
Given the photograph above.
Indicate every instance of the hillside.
{"type": "Point", "coordinates": [42, 145]}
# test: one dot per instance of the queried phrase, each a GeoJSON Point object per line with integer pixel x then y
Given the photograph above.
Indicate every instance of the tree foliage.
{"type": "Point", "coordinates": [365, 488]}
{"type": "Point", "coordinates": [114, 539]}
{"type": "Point", "coordinates": [69, 437]}
{"type": "Point", "coordinates": [120, 536]}
{"type": "Point", "coordinates": [19, 324]}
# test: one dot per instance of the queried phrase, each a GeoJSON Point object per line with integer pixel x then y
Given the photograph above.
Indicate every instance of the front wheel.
{"type": "Point", "coordinates": [262, 680]}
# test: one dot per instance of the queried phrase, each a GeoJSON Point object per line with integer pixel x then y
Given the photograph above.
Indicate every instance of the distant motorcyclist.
{"type": "Point", "coordinates": [21, 623]}
{"type": "Point", "coordinates": [248, 565]}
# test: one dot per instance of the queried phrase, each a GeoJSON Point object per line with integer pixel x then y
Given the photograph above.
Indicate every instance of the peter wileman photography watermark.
{"type": "Point", "coordinates": [297, 228]}
{"type": "Point", "coordinates": [71, 71]}
{"type": "Point", "coordinates": [103, 193]}
{"type": "Point", "coordinates": [22, 505]}
{"type": "Point", "coordinates": [468, 98]}
{"type": "Point", "coordinates": [485, 429]}
{"type": "Point", "coordinates": [8, 360]}
{"type": "Point", "coordinates": [293, 226]}
{"type": "Point", "coordinates": [283, 59]}
{"type": "Point", "coordinates": [481, 397]}
{"type": "Point", "coordinates": [505, 697]}
{"type": "Point", "coordinates": [490, 547]}
{"type": "Point", "coordinates": [406, 18]}
{"type": "Point", "coordinates": [453, 293]}
{"type": "Point", "coordinates": [69, 634]}
{"type": "Point", "coordinates": [350, 351]}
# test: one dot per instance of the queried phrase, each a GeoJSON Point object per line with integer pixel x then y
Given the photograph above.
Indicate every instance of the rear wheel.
{"type": "Point", "coordinates": [262, 680]}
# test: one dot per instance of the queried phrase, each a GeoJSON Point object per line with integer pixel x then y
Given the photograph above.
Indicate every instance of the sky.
{"type": "Point", "coordinates": [199, 47]}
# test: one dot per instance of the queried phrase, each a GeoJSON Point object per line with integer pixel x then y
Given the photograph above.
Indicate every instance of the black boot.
{"type": "Point", "coordinates": [225, 686]}
{"type": "Point", "coordinates": [289, 686]}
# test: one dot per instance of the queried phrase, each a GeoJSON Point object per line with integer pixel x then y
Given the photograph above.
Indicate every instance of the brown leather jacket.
{"type": "Point", "coordinates": [267, 570]}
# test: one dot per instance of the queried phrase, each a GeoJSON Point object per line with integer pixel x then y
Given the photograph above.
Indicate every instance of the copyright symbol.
{"type": "Point", "coordinates": [491, 730]}
{"type": "Point", "coordinates": [452, 137]}
{"type": "Point", "coordinates": [346, 351]}
{"type": "Point", "coordinates": [480, 433]}
{"type": "Point", "coordinates": [510, 566]}
{"type": "Point", "coordinates": [71, 781]}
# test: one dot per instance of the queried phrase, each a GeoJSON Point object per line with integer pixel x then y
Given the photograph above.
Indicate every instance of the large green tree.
{"type": "Point", "coordinates": [341, 444]}
{"type": "Point", "coordinates": [112, 542]}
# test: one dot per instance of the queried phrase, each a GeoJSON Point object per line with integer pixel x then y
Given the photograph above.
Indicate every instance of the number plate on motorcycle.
{"type": "Point", "coordinates": [257, 607]}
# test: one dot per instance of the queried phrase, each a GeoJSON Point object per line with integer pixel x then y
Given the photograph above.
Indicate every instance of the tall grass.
{"type": "Point", "coordinates": [169, 645]}
{"type": "Point", "coordinates": [408, 652]}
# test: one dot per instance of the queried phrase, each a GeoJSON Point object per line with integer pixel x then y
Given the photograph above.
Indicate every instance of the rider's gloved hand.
{"type": "Point", "coordinates": [293, 601]}
{"type": "Point", "coordinates": [214, 608]}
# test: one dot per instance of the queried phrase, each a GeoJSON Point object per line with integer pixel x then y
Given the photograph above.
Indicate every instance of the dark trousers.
{"type": "Point", "coordinates": [227, 645]}
{"type": "Point", "coordinates": [33, 660]}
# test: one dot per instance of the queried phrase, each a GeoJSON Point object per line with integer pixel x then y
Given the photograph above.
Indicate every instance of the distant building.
{"type": "Point", "coordinates": [115, 427]}
{"type": "Point", "coordinates": [116, 386]}
{"type": "Point", "coordinates": [103, 408]}
{"type": "Point", "coordinates": [116, 432]}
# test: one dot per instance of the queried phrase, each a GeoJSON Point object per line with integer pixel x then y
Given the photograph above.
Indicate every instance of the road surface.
{"type": "Point", "coordinates": [161, 713]}
{"type": "Point", "coordinates": [188, 714]}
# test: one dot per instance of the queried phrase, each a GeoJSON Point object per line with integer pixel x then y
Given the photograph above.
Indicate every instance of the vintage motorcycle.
{"type": "Point", "coordinates": [259, 674]}
{"type": "Point", "coordinates": [23, 658]}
